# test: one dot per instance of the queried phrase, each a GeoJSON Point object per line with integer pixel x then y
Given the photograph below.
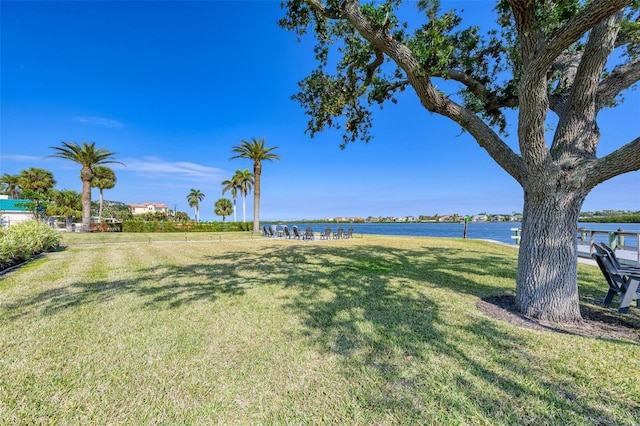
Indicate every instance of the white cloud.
{"type": "Point", "coordinates": [21, 158]}
{"type": "Point", "coordinates": [101, 121]}
{"type": "Point", "coordinates": [180, 170]}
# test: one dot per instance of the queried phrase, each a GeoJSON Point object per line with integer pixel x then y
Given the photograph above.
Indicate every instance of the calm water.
{"type": "Point", "coordinates": [498, 231]}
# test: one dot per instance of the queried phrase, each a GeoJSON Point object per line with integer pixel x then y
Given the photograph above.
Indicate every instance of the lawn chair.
{"type": "Point", "coordinates": [296, 233]}
{"type": "Point", "coordinates": [273, 231]}
{"type": "Point", "coordinates": [286, 232]}
{"type": "Point", "coordinates": [339, 233]}
{"type": "Point", "coordinates": [326, 234]}
{"type": "Point", "coordinates": [308, 234]}
{"type": "Point", "coordinates": [606, 250]}
{"type": "Point", "coordinates": [265, 231]}
{"type": "Point", "coordinates": [622, 281]}
{"type": "Point", "coordinates": [349, 233]}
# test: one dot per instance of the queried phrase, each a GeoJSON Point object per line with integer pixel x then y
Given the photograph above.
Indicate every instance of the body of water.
{"type": "Point", "coordinates": [498, 231]}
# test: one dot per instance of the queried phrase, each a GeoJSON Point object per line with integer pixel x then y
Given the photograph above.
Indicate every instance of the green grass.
{"type": "Point", "coordinates": [72, 238]}
{"type": "Point", "coordinates": [373, 330]}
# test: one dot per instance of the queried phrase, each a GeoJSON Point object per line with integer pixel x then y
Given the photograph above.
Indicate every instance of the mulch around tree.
{"type": "Point", "coordinates": [604, 323]}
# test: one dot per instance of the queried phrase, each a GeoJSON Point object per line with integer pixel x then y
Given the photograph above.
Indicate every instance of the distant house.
{"type": "Point", "coordinates": [143, 208]}
{"type": "Point", "coordinates": [347, 219]}
{"type": "Point", "coordinates": [13, 212]}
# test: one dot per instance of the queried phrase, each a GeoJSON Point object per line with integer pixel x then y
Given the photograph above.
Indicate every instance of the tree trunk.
{"type": "Point", "coordinates": [235, 218]}
{"type": "Point", "coordinates": [86, 175]}
{"type": "Point", "coordinates": [546, 284]}
{"type": "Point", "coordinates": [244, 208]}
{"type": "Point", "coordinates": [101, 204]}
{"type": "Point", "coordinates": [256, 198]}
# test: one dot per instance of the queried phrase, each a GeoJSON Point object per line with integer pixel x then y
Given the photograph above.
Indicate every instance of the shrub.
{"type": "Point", "coordinates": [20, 242]}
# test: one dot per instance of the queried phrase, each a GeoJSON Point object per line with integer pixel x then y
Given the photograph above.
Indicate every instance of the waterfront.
{"type": "Point", "coordinates": [497, 231]}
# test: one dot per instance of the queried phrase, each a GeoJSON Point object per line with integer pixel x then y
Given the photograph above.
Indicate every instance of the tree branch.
{"type": "Point", "coordinates": [573, 138]}
{"type": "Point", "coordinates": [373, 66]}
{"type": "Point", "coordinates": [530, 37]}
{"type": "Point", "coordinates": [594, 13]}
{"type": "Point", "coordinates": [429, 96]}
{"type": "Point", "coordinates": [620, 79]}
{"type": "Point", "coordinates": [322, 9]}
{"type": "Point", "coordinates": [623, 160]}
{"type": "Point", "coordinates": [567, 66]}
{"type": "Point", "coordinates": [491, 101]}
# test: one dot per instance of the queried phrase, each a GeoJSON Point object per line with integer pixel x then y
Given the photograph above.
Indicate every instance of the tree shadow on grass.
{"type": "Point", "coordinates": [380, 318]}
{"type": "Point", "coordinates": [161, 286]}
{"type": "Point", "coordinates": [375, 310]}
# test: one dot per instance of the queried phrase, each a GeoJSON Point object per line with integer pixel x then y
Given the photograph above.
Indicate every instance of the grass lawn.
{"type": "Point", "coordinates": [372, 330]}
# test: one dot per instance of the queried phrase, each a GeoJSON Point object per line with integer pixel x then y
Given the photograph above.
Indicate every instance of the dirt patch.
{"type": "Point", "coordinates": [602, 323]}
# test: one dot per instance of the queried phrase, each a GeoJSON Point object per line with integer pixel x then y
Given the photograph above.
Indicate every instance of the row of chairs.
{"type": "Point", "coordinates": [272, 231]}
{"type": "Point", "coordinates": [328, 233]}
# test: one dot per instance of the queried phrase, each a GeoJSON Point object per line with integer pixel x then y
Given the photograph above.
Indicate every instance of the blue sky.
{"type": "Point", "coordinates": [173, 86]}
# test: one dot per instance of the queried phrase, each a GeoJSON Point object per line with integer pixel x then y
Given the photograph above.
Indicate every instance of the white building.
{"type": "Point", "coordinates": [13, 211]}
{"type": "Point", "coordinates": [143, 208]}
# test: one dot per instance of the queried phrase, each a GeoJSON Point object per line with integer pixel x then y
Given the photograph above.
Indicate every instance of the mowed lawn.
{"type": "Point", "coordinates": [372, 330]}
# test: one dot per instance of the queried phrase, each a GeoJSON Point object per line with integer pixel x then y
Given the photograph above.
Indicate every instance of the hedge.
{"type": "Point", "coordinates": [171, 226]}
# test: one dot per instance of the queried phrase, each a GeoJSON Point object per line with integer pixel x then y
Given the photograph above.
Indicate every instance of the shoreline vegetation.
{"type": "Point", "coordinates": [375, 330]}
{"type": "Point", "coordinates": [135, 225]}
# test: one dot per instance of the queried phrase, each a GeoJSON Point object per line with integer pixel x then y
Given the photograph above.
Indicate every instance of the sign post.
{"type": "Point", "coordinates": [466, 220]}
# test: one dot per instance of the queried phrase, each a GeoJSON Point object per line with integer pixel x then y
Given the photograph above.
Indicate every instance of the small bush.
{"type": "Point", "coordinates": [20, 242]}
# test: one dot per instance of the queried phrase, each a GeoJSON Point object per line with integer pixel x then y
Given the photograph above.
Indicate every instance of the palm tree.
{"type": "Point", "coordinates": [67, 204]}
{"type": "Point", "coordinates": [36, 184]}
{"type": "Point", "coordinates": [256, 151]}
{"type": "Point", "coordinates": [231, 184]}
{"type": "Point", "coordinates": [244, 180]}
{"type": "Point", "coordinates": [195, 197]}
{"type": "Point", "coordinates": [9, 185]}
{"type": "Point", "coordinates": [103, 178]}
{"type": "Point", "coordinates": [223, 207]}
{"type": "Point", "coordinates": [37, 180]}
{"type": "Point", "coordinates": [88, 156]}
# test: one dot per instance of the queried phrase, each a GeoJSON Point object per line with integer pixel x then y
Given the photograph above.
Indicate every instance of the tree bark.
{"type": "Point", "coordinates": [235, 219]}
{"type": "Point", "coordinates": [101, 204]}
{"type": "Point", "coordinates": [86, 175]}
{"type": "Point", "coordinates": [244, 208]}
{"type": "Point", "coordinates": [257, 170]}
{"type": "Point", "coordinates": [547, 286]}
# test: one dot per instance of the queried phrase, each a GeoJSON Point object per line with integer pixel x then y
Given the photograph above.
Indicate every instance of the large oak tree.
{"type": "Point", "coordinates": [570, 58]}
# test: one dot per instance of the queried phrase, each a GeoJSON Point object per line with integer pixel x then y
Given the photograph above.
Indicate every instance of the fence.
{"type": "Point", "coordinates": [626, 242]}
{"type": "Point", "coordinates": [617, 240]}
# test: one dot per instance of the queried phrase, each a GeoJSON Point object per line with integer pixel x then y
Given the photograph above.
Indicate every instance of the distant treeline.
{"type": "Point", "coordinates": [611, 216]}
